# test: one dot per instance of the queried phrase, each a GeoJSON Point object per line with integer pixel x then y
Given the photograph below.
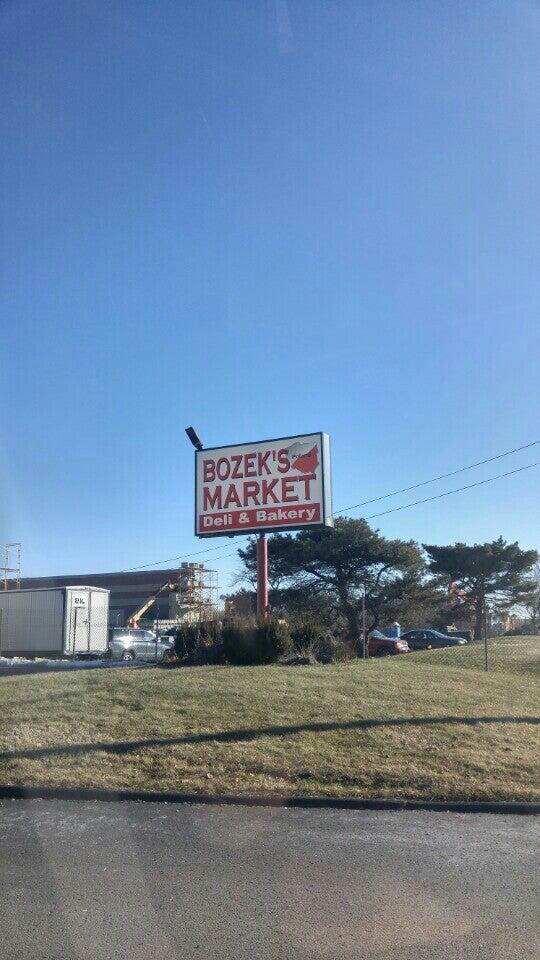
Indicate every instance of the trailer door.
{"type": "Point", "coordinates": [78, 622]}
{"type": "Point", "coordinates": [98, 617]}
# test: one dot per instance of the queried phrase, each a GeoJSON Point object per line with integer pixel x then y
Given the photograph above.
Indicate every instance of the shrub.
{"type": "Point", "coordinates": [306, 636]}
{"type": "Point", "coordinates": [238, 639]}
{"type": "Point", "coordinates": [185, 640]}
{"type": "Point", "coordinates": [272, 641]}
{"type": "Point", "coordinates": [207, 651]}
{"type": "Point", "coordinates": [199, 643]}
{"type": "Point", "coordinates": [246, 642]}
{"type": "Point", "coordinates": [314, 641]}
{"type": "Point", "coordinates": [332, 649]}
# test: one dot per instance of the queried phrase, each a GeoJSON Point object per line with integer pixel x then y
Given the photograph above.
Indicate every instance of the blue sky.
{"type": "Point", "coordinates": [264, 218]}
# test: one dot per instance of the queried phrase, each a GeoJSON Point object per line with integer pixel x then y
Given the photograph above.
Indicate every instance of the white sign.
{"type": "Point", "coordinates": [281, 484]}
{"type": "Point", "coordinates": [79, 600]}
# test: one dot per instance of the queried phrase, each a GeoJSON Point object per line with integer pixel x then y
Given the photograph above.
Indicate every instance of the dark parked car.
{"type": "Point", "coordinates": [426, 639]}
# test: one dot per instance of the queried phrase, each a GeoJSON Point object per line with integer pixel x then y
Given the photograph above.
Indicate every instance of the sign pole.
{"type": "Point", "coordinates": [262, 577]}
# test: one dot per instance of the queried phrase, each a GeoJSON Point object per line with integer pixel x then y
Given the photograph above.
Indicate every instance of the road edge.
{"type": "Point", "coordinates": [268, 800]}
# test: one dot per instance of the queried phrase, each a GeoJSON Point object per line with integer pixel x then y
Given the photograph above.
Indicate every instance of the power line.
{"type": "Point", "coordinates": [405, 506]}
{"type": "Point", "coordinates": [447, 493]}
{"type": "Point", "coordinates": [157, 563]}
{"type": "Point", "coordinates": [383, 496]}
{"type": "Point", "coordinates": [437, 496]}
{"type": "Point", "coordinates": [443, 476]}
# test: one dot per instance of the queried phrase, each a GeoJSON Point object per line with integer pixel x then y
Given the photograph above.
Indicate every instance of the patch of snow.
{"type": "Point", "coordinates": [62, 664]}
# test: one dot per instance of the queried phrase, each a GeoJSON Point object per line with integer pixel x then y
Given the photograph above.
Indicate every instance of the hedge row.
{"type": "Point", "coordinates": [248, 642]}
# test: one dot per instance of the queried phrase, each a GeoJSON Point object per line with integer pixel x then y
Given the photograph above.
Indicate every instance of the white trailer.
{"type": "Point", "coordinates": [55, 622]}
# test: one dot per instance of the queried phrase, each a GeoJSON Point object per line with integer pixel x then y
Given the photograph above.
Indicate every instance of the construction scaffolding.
{"type": "Point", "coordinates": [12, 566]}
{"type": "Point", "coordinates": [196, 599]}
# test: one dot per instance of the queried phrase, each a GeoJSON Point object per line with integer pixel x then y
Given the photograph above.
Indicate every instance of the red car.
{"type": "Point", "coordinates": [381, 646]}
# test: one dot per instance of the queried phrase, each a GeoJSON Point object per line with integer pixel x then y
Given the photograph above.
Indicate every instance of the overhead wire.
{"type": "Point", "coordinates": [442, 476]}
{"type": "Point", "coordinates": [384, 496]}
{"type": "Point", "coordinates": [447, 493]}
{"type": "Point", "coordinates": [182, 556]}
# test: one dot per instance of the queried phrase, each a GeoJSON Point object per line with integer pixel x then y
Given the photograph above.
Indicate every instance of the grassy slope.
{"type": "Point", "coordinates": [357, 729]}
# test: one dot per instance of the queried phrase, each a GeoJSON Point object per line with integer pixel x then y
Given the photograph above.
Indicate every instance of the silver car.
{"type": "Point", "coordinates": [127, 643]}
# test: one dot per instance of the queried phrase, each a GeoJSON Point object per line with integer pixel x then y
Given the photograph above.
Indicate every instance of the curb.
{"type": "Point", "coordinates": [269, 800]}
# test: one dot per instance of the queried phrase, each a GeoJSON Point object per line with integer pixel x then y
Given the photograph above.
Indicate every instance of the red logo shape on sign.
{"type": "Point", "coordinates": [304, 462]}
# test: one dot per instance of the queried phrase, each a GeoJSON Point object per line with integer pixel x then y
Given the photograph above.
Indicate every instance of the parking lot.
{"type": "Point", "coordinates": [168, 881]}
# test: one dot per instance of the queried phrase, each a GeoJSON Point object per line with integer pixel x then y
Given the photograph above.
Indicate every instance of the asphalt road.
{"type": "Point", "coordinates": [162, 881]}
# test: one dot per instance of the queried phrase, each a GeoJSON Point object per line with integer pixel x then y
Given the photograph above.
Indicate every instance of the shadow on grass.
{"type": "Point", "coordinates": [239, 736]}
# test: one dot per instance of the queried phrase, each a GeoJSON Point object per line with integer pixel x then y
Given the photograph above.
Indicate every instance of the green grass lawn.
{"type": "Point", "coordinates": [427, 725]}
